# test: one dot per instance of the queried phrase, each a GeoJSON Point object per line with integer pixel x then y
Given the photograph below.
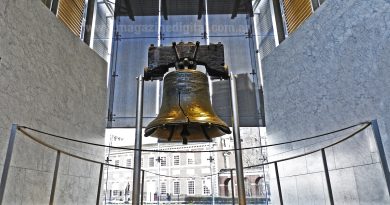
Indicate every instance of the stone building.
{"type": "Point", "coordinates": [176, 174]}
{"type": "Point", "coordinates": [193, 169]}
{"type": "Point", "coordinates": [256, 179]}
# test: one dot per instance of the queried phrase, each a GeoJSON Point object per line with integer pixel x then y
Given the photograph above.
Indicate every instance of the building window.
{"type": "Point", "coordinates": [115, 192]}
{"type": "Point", "coordinates": [142, 162]}
{"type": "Point", "coordinates": [151, 161]}
{"type": "Point", "coordinates": [116, 164]}
{"type": "Point", "coordinates": [128, 162]}
{"type": "Point", "coordinates": [206, 187]}
{"type": "Point", "coordinates": [190, 159]}
{"type": "Point", "coordinates": [163, 188]}
{"type": "Point", "coordinates": [259, 187]}
{"type": "Point", "coordinates": [191, 187]}
{"type": "Point", "coordinates": [247, 187]}
{"type": "Point", "coordinates": [163, 161]}
{"type": "Point", "coordinates": [206, 190]}
{"type": "Point", "coordinates": [176, 187]}
{"type": "Point", "coordinates": [176, 160]}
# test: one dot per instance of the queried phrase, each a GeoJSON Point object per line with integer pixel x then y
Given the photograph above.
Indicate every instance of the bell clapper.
{"type": "Point", "coordinates": [171, 133]}
{"type": "Point", "coordinates": [149, 132]}
{"type": "Point", "coordinates": [184, 134]}
{"type": "Point", "coordinates": [205, 132]}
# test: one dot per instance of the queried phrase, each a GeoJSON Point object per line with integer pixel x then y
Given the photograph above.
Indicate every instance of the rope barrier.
{"type": "Point", "coordinates": [310, 145]}
{"type": "Point", "coordinates": [91, 160]}
{"type": "Point", "coordinates": [168, 176]}
{"type": "Point", "coordinates": [188, 151]}
{"type": "Point", "coordinates": [311, 152]}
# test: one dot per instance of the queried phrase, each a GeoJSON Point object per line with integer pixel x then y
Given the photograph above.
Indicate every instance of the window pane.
{"type": "Point", "coordinates": [128, 162]}
{"type": "Point", "coordinates": [176, 160]}
{"type": "Point", "coordinates": [151, 162]}
{"type": "Point", "coordinates": [206, 187]}
{"type": "Point", "coordinates": [116, 164]}
{"type": "Point", "coordinates": [190, 159]}
{"type": "Point", "coordinates": [129, 57]}
{"type": "Point", "coordinates": [206, 190]}
{"type": "Point", "coordinates": [182, 26]}
{"type": "Point", "coordinates": [176, 187]}
{"type": "Point", "coordinates": [191, 187]}
{"type": "Point", "coordinates": [163, 188]}
{"type": "Point", "coordinates": [163, 161]}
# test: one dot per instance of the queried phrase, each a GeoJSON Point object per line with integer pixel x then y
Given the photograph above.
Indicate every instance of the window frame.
{"type": "Point", "coordinates": [189, 188]}
{"type": "Point", "coordinates": [151, 162]}
{"type": "Point", "coordinates": [176, 187]}
{"type": "Point", "coordinates": [163, 161]}
{"type": "Point", "coordinates": [176, 160]}
{"type": "Point", "coordinates": [128, 162]}
{"type": "Point", "coordinates": [190, 158]}
{"type": "Point", "coordinates": [206, 187]}
{"type": "Point", "coordinates": [117, 163]}
{"type": "Point", "coordinates": [163, 191]}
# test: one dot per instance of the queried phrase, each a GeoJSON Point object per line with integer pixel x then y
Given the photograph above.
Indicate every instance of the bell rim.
{"type": "Point", "coordinates": [175, 72]}
{"type": "Point", "coordinates": [224, 129]}
{"type": "Point", "coordinates": [188, 123]}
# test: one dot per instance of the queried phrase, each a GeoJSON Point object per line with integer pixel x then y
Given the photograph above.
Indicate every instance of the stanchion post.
{"type": "Point", "coordinates": [138, 142]}
{"type": "Point", "coordinates": [237, 142]}
{"type": "Point", "coordinates": [232, 184]}
{"type": "Point", "coordinates": [99, 184]}
{"type": "Point", "coordinates": [142, 188]}
{"type": "Point", "coordinates": [278, 183]}
{"type": "Point", "coordinates": [381, 151]}
{"type": "Point", "coordinates": [7, 162]}
{"type": "Point", "coordinates": [326, 170]}
{"type": "Point", "coordinates": [54, 182]}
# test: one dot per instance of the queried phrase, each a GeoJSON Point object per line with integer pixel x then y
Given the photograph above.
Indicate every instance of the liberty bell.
{"type": "Point", "coordinates": [186, 112]}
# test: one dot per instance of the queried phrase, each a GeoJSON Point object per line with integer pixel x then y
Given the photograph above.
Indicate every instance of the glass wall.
{"type": "Point", "coordinates": [185, 177]}
{"type": "Point", "coordinates": [102, 29]}
{"type": "Point", "coordinates": [129, 58]}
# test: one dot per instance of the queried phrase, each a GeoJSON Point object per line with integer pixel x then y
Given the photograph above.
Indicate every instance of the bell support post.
{"type": "Point", "coordinates": [237, 142]}
{"type": "Point", "coordinates": [138, 142]}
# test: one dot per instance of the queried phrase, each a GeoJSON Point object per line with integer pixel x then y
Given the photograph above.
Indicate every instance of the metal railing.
{"type": "Point", "coordinates": [15, 128]}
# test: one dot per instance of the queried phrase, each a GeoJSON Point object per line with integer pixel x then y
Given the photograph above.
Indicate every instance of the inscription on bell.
{"type": "Point", "coordinates": [182, 84]}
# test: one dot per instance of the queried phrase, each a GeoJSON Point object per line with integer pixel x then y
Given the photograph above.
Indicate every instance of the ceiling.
{"type": "Point", "coordinates": [182, 7]}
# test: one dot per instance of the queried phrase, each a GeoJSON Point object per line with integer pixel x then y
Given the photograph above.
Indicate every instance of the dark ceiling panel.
{"type": "Point", "coordinates": [139, 7]}
{"type": "Point", "coordinates": [181, 7]}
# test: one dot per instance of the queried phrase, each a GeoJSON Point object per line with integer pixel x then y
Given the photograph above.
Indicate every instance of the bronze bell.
{"type": "Point", "coordinates": [186, 112]}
